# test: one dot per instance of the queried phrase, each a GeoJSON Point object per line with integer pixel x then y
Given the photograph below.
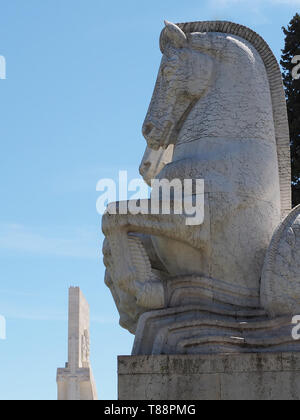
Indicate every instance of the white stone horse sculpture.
{"type": "Point", "coordinates": [219, 101]}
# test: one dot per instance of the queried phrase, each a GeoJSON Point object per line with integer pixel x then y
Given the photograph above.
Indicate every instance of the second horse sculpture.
{"type": "Point", "coordinates": [217, 113]}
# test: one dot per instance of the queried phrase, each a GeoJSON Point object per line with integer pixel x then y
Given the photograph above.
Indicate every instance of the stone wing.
{"type": "Point", "coordinates": [280, 284]}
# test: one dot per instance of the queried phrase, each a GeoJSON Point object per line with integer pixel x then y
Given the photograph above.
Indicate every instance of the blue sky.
{"type": "Point", "coordinates": [80, 75]}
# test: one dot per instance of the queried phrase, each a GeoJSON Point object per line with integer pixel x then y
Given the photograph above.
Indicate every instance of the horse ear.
{"type": "Point", "coordinates": [176, 36]}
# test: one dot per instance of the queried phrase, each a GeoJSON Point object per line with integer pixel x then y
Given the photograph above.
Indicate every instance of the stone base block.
{"type": "Point", "coordinates": [247, 376]}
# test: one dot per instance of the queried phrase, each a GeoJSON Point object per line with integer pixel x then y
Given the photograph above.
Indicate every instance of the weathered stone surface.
{"type": "Point", "coordinates": [76, 381]}
{"type": "Point", "coordinates": [273, 376]}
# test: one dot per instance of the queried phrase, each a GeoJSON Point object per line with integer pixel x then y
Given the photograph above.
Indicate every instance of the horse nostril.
{"type": "Point", "coordinates": [147, 129]}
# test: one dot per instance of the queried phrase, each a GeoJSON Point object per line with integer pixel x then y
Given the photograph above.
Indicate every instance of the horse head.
{"type": "Point", "coordinates": [184, 76]}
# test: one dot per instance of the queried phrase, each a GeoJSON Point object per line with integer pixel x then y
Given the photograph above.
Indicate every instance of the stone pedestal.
{"type": "Point", "coordinates": [268, 376]}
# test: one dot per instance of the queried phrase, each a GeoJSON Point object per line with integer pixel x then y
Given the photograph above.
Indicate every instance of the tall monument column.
{"type": "Point", "coordinates": [76, 381]}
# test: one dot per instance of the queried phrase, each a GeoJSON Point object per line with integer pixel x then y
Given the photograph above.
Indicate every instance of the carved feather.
{"type": "Point", "coordinates": [280, 285]}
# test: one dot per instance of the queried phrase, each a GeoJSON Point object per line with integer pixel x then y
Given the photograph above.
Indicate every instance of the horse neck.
{"type": "Point", "coordinates": [238, 106]}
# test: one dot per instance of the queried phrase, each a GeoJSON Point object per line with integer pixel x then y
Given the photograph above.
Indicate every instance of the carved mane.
{"type": "Point", "coordinates": [276, 89]}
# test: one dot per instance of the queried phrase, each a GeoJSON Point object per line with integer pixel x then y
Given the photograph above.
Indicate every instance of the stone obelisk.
{"type": "Point", "coordinates": [76, 381]}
